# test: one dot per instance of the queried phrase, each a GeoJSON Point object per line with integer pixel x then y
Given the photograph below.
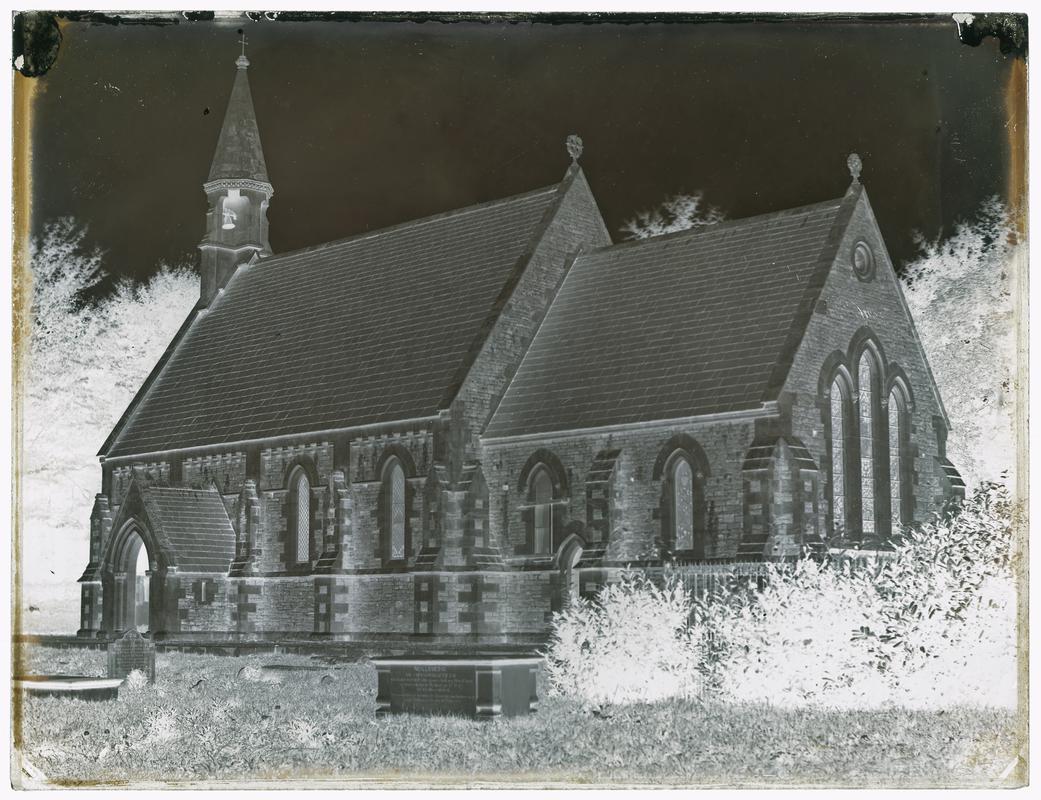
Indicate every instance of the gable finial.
{"type": "Point", "coordinates": [574, 147]}
{"type": "Point", "coordinates": [242, 62]}
{"type": "Point", "coordinates": [855, 165]}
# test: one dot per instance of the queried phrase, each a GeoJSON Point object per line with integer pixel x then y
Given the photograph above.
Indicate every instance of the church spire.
{"type": "Point", "coordinates": [239, 154]}
{"type": "Point", "coordinates": [238, 189]}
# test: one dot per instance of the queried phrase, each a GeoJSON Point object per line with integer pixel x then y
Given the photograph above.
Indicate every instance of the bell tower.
{"type": "Point", "coordinates": [238, 191]}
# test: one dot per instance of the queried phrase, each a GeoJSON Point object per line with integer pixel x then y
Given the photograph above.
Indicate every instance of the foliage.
{"type": "Point", "coordinates": [677, 213]}
{"type": "Point", "coordinates": [632, 644]}
{"type": "Point", "coordinates": [86, 361]}
{"type": "Point", "coordinates": [960, 292]}
{"type": "Point", "coordinates": [62, 270]}
{"type": "Point", "coordinates": [927, 625]}
{"type": "Point", "coordinates": [229, 730]}
{"type": "Point", "coordinates": [865, 631]}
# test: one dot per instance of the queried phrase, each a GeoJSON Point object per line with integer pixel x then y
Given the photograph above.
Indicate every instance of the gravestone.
{"type": "Point", "coordinates": [131, 652]}
{"type": "Point", "coordinates": [475, 687]}
{"type": "Point", "coordinates": [79, 687]}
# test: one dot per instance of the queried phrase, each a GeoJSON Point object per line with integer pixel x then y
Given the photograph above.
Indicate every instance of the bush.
{"type": "Point", "coordinates": [632, 644]}
{"type": "Point", "coordinates": [930, 624]}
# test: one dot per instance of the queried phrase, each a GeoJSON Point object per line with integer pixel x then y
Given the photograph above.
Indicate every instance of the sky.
{"type": "Point", "coordinates": [368, 124]}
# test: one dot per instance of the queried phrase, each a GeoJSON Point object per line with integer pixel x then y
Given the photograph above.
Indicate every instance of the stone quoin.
{"type": "Point", "coordinates": [446, 430]}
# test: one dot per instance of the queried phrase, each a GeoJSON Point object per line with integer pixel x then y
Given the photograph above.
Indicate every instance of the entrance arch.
{"type": "Point", "coordinates": [131, 582]}
{"type": "Point", "coordinates": [141, 576]}
{"type": "Point", "coordinates": [570, 555]}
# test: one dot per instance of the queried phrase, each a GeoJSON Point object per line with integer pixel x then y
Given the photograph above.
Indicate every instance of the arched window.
{"type": "Point", "coordinates": [542, 513]}
{"type": "Point", "coordinates": [899, 482]}
{"type": "Point", "coordinates": [840, 430]}
{"type": "Point", "coordinates": [867, 400]}
{"type": "Point", "coordinates": [682, 505]}
{"type": "Point", "coordinates": [301, 489]}
{"type": "Point", "coordinates": [396, 510]}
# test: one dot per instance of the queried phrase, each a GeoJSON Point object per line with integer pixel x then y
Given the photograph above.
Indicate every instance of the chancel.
{"type": "Point", "coordinates": [449, 429]}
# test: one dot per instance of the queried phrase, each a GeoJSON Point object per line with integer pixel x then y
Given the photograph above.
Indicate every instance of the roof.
{"type": "Point", "coordinates": [365, 330]}
{"type": "Point", "coordinates": [239, 154]}
{"type": "Point", "coordinates": [693, 323]}
{"type": "Point", "coordinates": [194, 525]}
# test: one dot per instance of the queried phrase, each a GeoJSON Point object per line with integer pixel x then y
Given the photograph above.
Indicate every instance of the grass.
{"type": "Point", "coordinates": [237, 729]}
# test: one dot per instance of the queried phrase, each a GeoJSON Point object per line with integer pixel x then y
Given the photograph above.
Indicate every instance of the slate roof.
{"type": "Point", "coordinates": [239, 154]}
{"type": "Point", "coordinates": [189, 526]}
{"type": "Point", "coordinates": [693, 323]}
{"type": "Point", "coordinates": [194, 525]}
{"type": "Point", "coordinates": [365, 330]}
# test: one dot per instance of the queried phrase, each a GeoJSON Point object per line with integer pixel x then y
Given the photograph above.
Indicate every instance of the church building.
{"type": "Point", "coordinates": [444, 431]}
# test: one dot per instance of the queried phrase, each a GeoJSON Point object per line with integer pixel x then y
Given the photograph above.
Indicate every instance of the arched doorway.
{"type": "Point", "coordinates": [142, 575]}
{"type": "Point", "coordinates": [571, 582]}
{"type": "Point", "coordinates": [127, 583]}
{"type": "Point", "coordinates": [569, 557]}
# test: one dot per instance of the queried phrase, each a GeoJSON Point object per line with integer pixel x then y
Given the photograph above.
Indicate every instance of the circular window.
{"type": "Point", "coordinates": [863, 261]}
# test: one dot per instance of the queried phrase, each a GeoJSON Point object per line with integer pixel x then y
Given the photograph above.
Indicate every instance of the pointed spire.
{"type": "Point", "coordinates": [239, 154]}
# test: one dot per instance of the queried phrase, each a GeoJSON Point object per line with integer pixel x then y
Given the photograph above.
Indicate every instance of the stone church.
{"type": "Point", "coordinates": [445, 430]}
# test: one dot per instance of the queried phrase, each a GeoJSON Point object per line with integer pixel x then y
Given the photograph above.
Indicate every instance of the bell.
{"type": "Point", "coordinates": [229, 219]}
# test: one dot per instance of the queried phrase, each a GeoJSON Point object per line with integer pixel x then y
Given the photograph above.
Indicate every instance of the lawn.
{"type": "Point", "coordinates": [233, 728]}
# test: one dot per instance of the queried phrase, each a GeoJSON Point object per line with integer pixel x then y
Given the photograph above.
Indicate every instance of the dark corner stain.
{"type": "Point", "coordinates": [1009, 29]}
{"type": "Point", "coordinates": [37, 37]}
{"type": "Point", "coordinates": [36, 40]}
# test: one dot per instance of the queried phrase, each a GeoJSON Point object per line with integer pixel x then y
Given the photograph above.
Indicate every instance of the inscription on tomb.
{"type": "Point", "coordinates": [131, 652]}
{"type": "Point", "coordinates": [480, 688]}
{"type": "Point", "coordinates": [434, 688]}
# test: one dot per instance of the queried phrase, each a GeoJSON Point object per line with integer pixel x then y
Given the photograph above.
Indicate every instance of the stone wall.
{"type": "Point", "coordinates": [633, 511]}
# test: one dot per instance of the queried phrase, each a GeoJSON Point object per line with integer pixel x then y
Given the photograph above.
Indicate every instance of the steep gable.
{"type": "Point", "coordinates": [366, 330]}
{"type": "Point", "coordinates": [847, 308]}
{"type": "Point", "coordinates": [694, 323]}
{"type": "Point", "coordinates": [573, 224]}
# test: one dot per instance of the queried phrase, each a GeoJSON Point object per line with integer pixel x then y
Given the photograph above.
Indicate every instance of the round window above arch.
{"type": "Point", "coordinates": [863, 261]}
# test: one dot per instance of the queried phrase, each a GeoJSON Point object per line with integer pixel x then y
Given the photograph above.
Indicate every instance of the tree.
{"type": "Point", "coordinates": [677, 213]}
{"type": "Point", "coordinates": [86, 359]}
{"type": "Point", "coordinates": [960, 292]}
{"type": "Point", "coordinates": [62, 271]}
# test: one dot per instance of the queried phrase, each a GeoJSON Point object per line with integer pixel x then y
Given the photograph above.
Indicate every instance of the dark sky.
{"type": "Point", "coordinates": [366, 124]}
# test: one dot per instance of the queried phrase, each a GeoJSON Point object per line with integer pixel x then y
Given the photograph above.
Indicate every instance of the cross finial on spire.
{"type": "Point", "coordinates": [574, 147]}
{"type": "Point", "coordinates": [242, 62]}
{"type": "Point", "coordinates": [855, 165]}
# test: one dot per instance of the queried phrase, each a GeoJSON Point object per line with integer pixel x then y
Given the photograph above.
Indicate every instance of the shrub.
{"type": "Point", "coordinates": [929, 624]}
{"type": "Point", "coordinates": [633, 643]}
{"type": "Point", "coordinates": [136, 681]}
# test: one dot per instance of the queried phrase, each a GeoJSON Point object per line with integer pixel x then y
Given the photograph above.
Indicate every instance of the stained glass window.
{"type": "Point", "coordinates": [397, 512]}
{"type": "Point", "coordinates": [896, 439]}
{"type": "Point", "coordinates": [543, 511]}
{"type": "Point", "coordinates": [838, 456]}
{"type": "Point", "coordinates": [683, 505]}
{"type": "Point", "coordinates": [303, 518]}
{"type": "Point", "coordinates": [866, 381]}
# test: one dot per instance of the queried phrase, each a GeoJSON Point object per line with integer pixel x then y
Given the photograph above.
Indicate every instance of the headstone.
{"type": "Point", "coordinates": [131, 652]}
{"type": "Point", "coordinates": [475, 687]}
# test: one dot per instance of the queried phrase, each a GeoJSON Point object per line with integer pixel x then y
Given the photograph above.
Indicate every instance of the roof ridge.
{"type": "Point", "coordinates": [699, 230]}
{"type": "Point", "coordinates": [408, 223]}
{"type": "Point", "coordinates": [513, 279]}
